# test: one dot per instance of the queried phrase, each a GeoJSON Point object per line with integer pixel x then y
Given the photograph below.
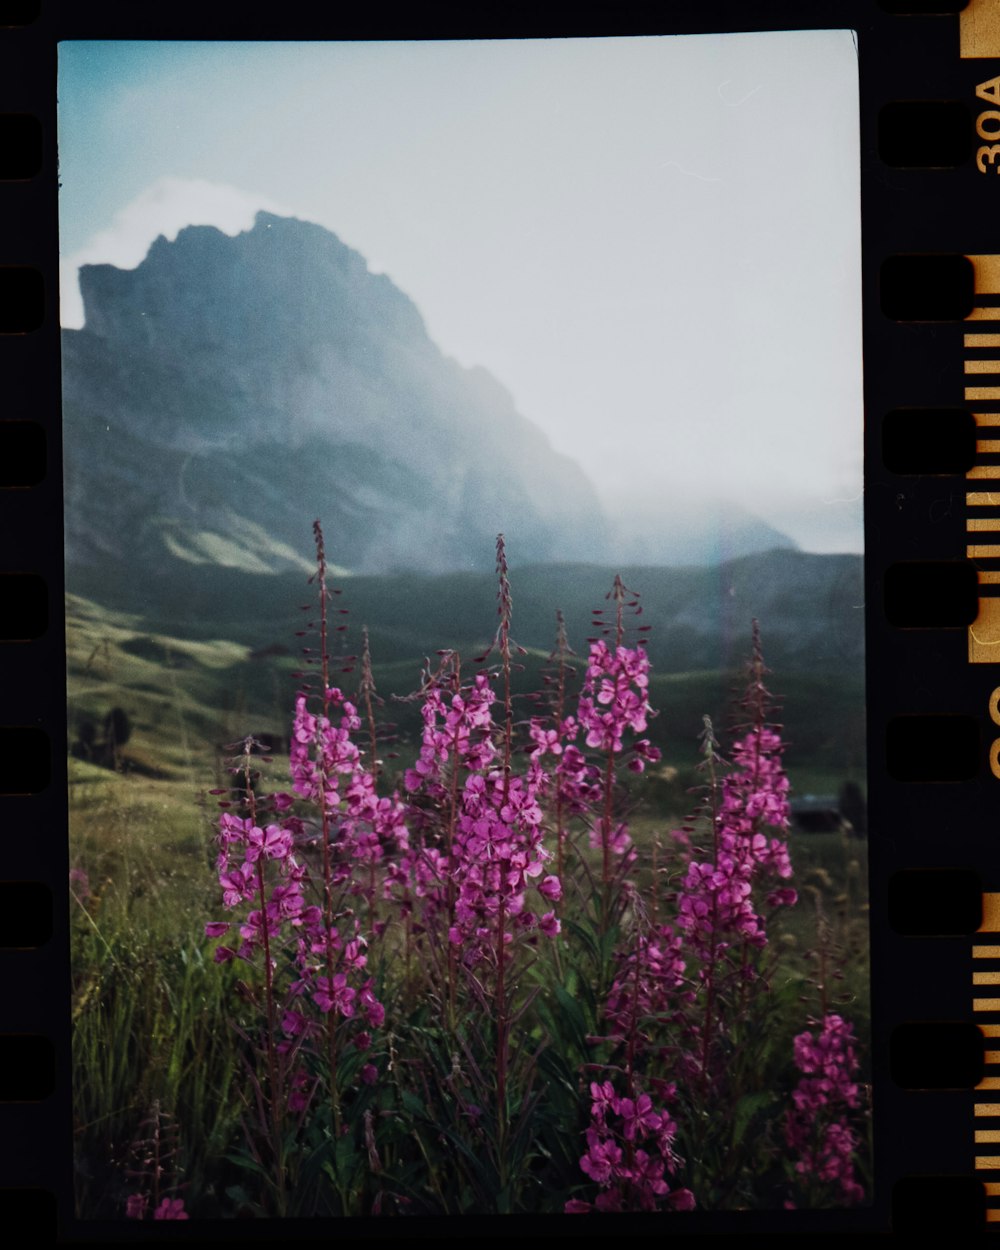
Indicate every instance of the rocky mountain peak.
{"type": "Point", "coordinates": [274, 378]}
{"type": "Point", "coordinates": [283, 274]}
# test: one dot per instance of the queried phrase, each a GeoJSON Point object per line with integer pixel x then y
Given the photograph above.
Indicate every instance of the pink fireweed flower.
{"type": "Point", "coordinates": [716, 905]}
{"type": "Point", "coordinates": [320, 751]}
{"type": "Point", "coordinates": [295, 1023]}
{"type": "Point", "coordinates": [551, 888]}
{"type": "Point", "coordinates": [580, 782]}
{"type": "Point", "coordinates": [630, 1153]}
{"type": "Point", "coordinates": [618, 838]}
{"type": "Point", "coordinates": [756, 795]}
{"type": "Point", "coordinates": [643, 752]}
{"type": "Point", "coordinates": [274, 843]}
{"type": "Point", "coordinates": [547, 741]}
{"type": "Point", "coordinates": [233, 829]}
{"type": "Point", "coordinates": [238, 885]}
{"type": "Point", "coordinates": [465, 735]}
{"type": "Point", "coordinates": [577, 782]}
{"type": "Point", "coordinates": [373, 1010]}
{"type": "Point", "coordinates": [616, 680]}
{"type": "Point", "coordinates": [816, 1126]}
{"type": "Point", "coordinates": [649, 986]}
{"type": "Point", "coordinates": [325, 767]}
{"type": "Point", "coordinates": [576, 1206]}
{"type": "Point", "coordinates": [171, 1209]}
{"type": "Point", "coordinates": [135, 1206]}
{"type": "Point", "coordinates": [613, 701]}
{"type": "Point", "coordinates": [604, 1099]}
{"type": "Point", "coordinates": [602, 1158]}
{"type": "Point", "coordinates": [498, 853]}
{"type": "Point", "coordinates": [638, 1116]}
{"type": "Point", "coordinates": [363, 827]}
{"type": "Point", "coordinates": [335, 995]}
{"type": "Point", "coordinates": [301, 1091]}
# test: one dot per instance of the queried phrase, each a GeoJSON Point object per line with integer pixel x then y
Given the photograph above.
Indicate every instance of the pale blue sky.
{"type": "Point", "coordinates": [654, 243]}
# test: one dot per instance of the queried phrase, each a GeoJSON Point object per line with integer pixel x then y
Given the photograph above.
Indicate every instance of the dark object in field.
{"type": "Point", "coordinates": [822, 814]}
{"type": "Point", "coordinates": [854, 808]}
{"type": "Point", "coordinates": [106, 752]}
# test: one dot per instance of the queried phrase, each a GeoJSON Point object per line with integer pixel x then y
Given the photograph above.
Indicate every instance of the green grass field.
{"type": "Point", "coordinates": [152, 1014]}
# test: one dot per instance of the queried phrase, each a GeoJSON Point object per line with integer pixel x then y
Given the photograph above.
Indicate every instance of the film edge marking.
{"type": "Point", "coordinates": [979, 30]}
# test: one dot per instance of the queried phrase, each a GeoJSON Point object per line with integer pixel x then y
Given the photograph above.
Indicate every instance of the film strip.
{"type": "Point", "coordinates": [930, 117]}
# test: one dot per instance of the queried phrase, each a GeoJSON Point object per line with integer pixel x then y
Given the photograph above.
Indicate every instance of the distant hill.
{"type": "Point", "coordinates": [184, 697]}
{"type": "Point", "coordinates": [810, 609]}
{"type": "Point", "coordinates": [229, 390]}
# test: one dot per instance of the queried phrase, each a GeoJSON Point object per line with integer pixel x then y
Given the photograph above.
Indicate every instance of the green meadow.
{"type": "Point", "coordinates": [152, 1015]}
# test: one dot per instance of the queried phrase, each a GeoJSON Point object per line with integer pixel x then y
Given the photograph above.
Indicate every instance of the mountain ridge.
{"type": "Point", "coordinates": [810, 608]}
{"type": "Point", "coordinates": [237, 350]}
{"type": "Point", "coordinates": [229, 388]}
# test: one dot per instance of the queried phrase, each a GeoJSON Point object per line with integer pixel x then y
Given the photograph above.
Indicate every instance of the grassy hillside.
{"type": "Point", "coordinates": [189, 697]}
{"type": "Point", "coordinates": [810, 608]}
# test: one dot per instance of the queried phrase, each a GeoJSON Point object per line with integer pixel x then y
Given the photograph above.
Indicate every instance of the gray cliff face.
{"type": "Point", "coordinates": [229, 390]}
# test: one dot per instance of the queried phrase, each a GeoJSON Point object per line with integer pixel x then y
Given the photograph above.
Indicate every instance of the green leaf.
{"type": "Point", "coordinates": [345, 1159]}
{"type": "Point", "coordinates": [609, 942]}
{"type": "Point", "coordinates": [747, 1107]}
{"type": "Point", "coordinates": [313, 1164]}
{"type": "Point", "coordinates": [251, 1165]}
{"type": "Point", "coordinates": [585, 935]}
{"type": "Point", "coordinates": [241, 1199]}
{"type": "Point", "coordinates": [478, 1169]}
{"type": "Point", "coordinates": [413, 1104]}
{"type": "Point", "coordinates": [572, 1015]}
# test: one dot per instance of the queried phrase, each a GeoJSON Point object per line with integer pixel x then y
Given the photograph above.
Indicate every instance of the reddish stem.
{"type": "Point", "coordinates": [325, 816]}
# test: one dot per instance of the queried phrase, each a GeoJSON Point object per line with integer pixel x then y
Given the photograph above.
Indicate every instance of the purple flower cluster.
{"type": "Point", "coordinates": [279, 902]}
{"type": "Point", "coordinates": [617, 681]}
{"type": "Point", "coordinates": [136, 1206]}
{"type": "Point", "coordinates": [326, 767]}
{"type": "Point", "coordinates": [629, 1155]}
{"type": "Point", "coordinates": [285, 909]}
{"type": "Point", "coordinates": [498, 852]}
{"type": "Point", "coordinates": [716, 904]}
{"type": "Point", "coordinates": [816, 1127]}
{"type": "Point", "coordinates": [497, 846]}
{"type": "Point", "coordinates": [628, 1159]}
{"type": "Point", "coordinates": [573, 782]}
{"type": "Point", "coordinates": [464, 861]}
{"type": "Point", "coordinates": [171, 1209]}
{"type": "Point", "coordinates": [648, 988]}
{"type": "Point", "coordinates": [613, 701]}
{"type": "Point", "coordinates": [459, 729]}
{"type": "Point", "coordinates": [457, 736]}
{"type": "Point", "coordinates": [323, 954]}
{"type": "Point", "coordinates": [757, 795]}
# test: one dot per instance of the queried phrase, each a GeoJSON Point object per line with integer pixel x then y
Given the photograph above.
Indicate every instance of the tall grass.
{"type": "Point", "coordinates": [495, 981]}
